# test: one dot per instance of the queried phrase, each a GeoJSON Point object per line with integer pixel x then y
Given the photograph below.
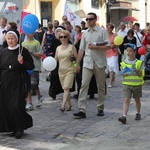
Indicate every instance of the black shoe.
{"type": "Point", "coordinates": [100, 113]}
{"type": "Point", "coordinates": [122, 119]}
{"type": "Point", "coordinates": [52, 95]}
{"type": "Point", "coordinates": [107, 76]}
{"type": "Point", "coordinates": [91, 96]}
{"type": "Point", "coordinates": [79, 115]}
{"type": "Point", "coordinates": [19, 134]}
{"type": "Point", "coordinates": [138, 117]}
{"type": "Point", "coordinates": [13, 133]}
{"type": "Point", "coordinates": [48, 78]}
{"type": "Point", "coordinates": [75, 96]}
{"type": "Point", "coordinates": [33, 93]}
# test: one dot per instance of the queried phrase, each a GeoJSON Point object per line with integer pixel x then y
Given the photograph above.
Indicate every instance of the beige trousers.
{"type": "Point", "coordinates": [86, 78]}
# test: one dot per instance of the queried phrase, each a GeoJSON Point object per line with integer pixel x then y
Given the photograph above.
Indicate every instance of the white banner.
{"type": "Point", "coordinates": [72, 17]}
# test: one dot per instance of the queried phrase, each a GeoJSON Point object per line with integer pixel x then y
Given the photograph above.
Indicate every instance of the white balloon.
{"type": "Point", "coordinates": [49, 63]}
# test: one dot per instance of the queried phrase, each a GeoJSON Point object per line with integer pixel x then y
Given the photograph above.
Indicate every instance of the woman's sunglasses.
{"type": "Point", "coordinates": [63, 37]}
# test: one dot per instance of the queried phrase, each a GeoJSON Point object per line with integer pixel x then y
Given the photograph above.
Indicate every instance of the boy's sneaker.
{"type": "Point", "coordinates": [29, 107]}
{"type": "Point", "coordinates": [40, 100]}
{"type": "Point", "coordinates": [122, 119]}
{"type": "Point", "coordinates": [138, 117]}
{"type": "Point", "coordinates": [79, 115]}
{"type": "Point", "coordinates": [100, 113]}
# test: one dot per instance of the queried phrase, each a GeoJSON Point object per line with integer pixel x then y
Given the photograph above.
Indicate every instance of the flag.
{"type": "Point", "coordinates": [127, 70]}
{"type": "Point", "coordinates": [72, 17]}
{"type": "Point", "coordinates": [23, 14]}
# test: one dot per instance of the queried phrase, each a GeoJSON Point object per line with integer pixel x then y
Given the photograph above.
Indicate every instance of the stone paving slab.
{"type": "Point", "coordinates": [54, 130]}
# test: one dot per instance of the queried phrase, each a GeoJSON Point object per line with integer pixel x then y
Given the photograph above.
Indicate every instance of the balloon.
{"type": "Point", "coordinates": [118, 40]}
{"type": "Point", "coordinates": [74, 65]}
{"type": "Point", "coordinates": [142, 50]}
{"type": "Point", "coordinates": [49, 63]}
{"type": "Point", "coordinates": [30, 24]}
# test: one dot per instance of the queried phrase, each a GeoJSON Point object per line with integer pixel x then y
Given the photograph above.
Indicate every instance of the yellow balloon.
{"type": "Point", "coordinates": [118, 40]}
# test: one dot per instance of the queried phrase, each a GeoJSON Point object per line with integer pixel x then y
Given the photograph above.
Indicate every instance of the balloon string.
{"type": "Point", "coordinates": [20, 47]}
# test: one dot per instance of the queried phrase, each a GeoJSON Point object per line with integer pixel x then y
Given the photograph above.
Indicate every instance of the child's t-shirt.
{"type": "Point", "coordinates": [34, 46]}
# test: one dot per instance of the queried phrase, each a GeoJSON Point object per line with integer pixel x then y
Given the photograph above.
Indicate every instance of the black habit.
{"type": "Point", "coordinates": [13, 91]}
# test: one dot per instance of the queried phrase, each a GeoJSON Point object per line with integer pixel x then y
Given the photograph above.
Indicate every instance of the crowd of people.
{"type": "Point", "coordinates": [96, 56]}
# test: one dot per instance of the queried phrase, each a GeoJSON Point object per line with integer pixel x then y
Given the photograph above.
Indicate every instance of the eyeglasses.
{"type": "Point", "coordinates": [63, 37]}
{"type": "Point", "coordinates": [89, 19]}
{"type": "Point", "coordinates": [65, 19]}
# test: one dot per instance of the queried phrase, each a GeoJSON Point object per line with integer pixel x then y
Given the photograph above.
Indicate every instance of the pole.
{"type": "Point", "coordinates": [35, 6]}
{"type": "Point", "coordinates": [108, 11]}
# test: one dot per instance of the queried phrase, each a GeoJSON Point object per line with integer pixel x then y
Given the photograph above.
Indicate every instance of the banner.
{"type": "Point", "coordinates": [23, 14]}
{"type": "Point", "coordinates": [72, 17]}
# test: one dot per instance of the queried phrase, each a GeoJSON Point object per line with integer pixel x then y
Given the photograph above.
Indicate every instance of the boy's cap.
{"type": "Point", "coordinates": [130, 45]}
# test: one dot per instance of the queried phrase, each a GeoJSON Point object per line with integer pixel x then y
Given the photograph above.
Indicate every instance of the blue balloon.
{"type": "Point", "coordinates": [30, 24]}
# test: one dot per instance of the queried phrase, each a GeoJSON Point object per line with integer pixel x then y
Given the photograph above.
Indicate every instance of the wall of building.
{"type": "Point", "coordinates": [148, 11]}
{"type": "Point", "coordinates": [140, 15]}
{"type": "Point", "coordinates": [33, 6]}
{"type": "Point", "coordinates": [86, 6]}
{"type": "Point", "coordinates": [58, 9]}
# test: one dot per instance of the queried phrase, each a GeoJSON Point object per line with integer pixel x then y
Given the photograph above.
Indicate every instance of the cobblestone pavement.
{"type": "Point", "coordinates": [53, 130]}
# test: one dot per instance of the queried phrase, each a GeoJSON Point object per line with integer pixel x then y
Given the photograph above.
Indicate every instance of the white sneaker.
{"type": "Point", "coordinates": [110, 86]}
{"type": "Point", "coordinates": [40, 100]}
{"type": "Point", "coordinates": [29, 107]}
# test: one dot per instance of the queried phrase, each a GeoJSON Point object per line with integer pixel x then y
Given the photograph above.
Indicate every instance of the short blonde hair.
{"type": "Point", "coordinates": [66, 32]}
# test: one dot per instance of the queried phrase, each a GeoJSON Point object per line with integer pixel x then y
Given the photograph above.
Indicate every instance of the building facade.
{"type": "Point", "coordinates": [49, 10]}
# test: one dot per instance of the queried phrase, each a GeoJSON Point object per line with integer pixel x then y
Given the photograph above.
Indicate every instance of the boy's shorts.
{"type": "Point", "coordinates": [130, 90]}
{"type": "Point", "coordinates": [35, 80]}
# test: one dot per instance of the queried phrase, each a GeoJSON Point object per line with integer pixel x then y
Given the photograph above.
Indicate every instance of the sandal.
{"type": "Point", "coordinates": [62, 109]}
{"type": "Point", "coordinates": [69, 108]}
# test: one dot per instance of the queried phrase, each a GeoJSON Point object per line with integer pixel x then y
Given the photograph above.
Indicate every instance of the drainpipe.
{"type": "Point", "coordinates": [108, 5]}
{"type": "Point", "coordinates": [35, 6]}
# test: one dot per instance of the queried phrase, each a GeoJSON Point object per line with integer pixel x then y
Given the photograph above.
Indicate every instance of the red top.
{"type": "Point", "coordinates": [146, 40]}
{"type": "Point", "coordinates": [113, 51]}
{"type": "Point", "coordinates": [79, 36]}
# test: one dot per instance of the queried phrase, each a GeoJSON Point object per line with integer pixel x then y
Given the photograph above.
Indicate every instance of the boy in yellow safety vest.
{"type": "Point", "coordinates": [133, 73]}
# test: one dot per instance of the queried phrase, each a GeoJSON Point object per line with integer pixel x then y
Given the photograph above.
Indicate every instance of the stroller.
{"type": "Point", "coordinates": [147, 67]}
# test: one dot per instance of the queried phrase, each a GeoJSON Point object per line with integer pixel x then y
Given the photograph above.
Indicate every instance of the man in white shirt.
{"type": "Point", "coordinates": [3, 26]}
{"type": "Point", "coordinates": [139, 36]}
{"type": "Point", "coordinates": [122, 32]}
{"type": "Point", "coordinates": [94, 62]}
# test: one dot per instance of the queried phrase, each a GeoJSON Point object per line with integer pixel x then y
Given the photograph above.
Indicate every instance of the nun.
{"type": "Point", "coordinates": [14, 61]}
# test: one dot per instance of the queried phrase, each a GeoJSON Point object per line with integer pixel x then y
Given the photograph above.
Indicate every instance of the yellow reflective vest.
{"type": "Point", "coordinates": [133, 79]}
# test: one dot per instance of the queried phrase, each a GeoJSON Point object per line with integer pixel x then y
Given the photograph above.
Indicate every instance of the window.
{"type": "Point", "coordinates": [46, 13]}
{"type": "Point", "coordinates": [95, 3]}
{"type": "Point", "coordinates": [73, 4]}
{"type": "Point", "coordinates": [75, 1]}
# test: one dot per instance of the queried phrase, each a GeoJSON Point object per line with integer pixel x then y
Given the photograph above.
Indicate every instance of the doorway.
{"type": "Point", "coordinates": [46, 13]}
